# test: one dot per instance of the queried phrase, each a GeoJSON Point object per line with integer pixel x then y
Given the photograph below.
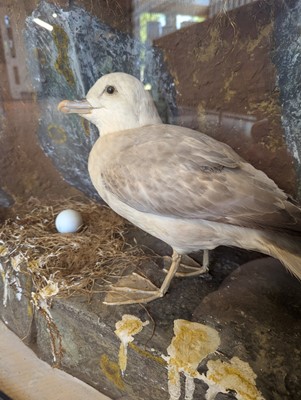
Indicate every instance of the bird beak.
{"type": "Point", "coordinates": [75, 107]}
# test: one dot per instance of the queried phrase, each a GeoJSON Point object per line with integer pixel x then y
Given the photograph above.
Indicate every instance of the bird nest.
{"type": "Point", "coordinates": [65, 264]}
{"type": "Point", "coordinates": [61, 265]}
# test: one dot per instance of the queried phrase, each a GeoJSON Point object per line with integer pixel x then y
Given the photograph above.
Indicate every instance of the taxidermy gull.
{"type": "Point", "coordinates": [181, 186]}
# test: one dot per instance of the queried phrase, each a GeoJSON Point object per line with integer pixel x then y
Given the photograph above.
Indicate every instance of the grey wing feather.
{"type": "Point", "coordinates": [177, 172]}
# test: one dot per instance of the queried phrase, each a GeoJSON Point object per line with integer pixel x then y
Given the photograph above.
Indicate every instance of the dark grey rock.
{"type": "Point", "coordinates": [257, 311]}
{"type": "Point", "coordinates": [15, 306]}
{"type": "Point", "coordinates": [287, 58]}
{"type": "Point", "coordinates": [65, 63]}
{"type": "Point", "coordinates": [86, 330]}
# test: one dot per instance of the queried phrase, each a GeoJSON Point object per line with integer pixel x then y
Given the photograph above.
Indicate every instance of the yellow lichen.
{"type": "Point", "coordinates": [147, 354]}
{"type": "Point", "coordinates": [269, 107]}
{"type": "Point", "coordinates": [192, 343]}
{"type": "Point", "coordinates": [128, 326]}
{"type": "Point", "coordinates": [125, 330]}
{"type": "Point", "coordinates": [236, 375]}
{"type": "Point", "coordinates": [42, 301]}
{"type": "Point", "coordinates": [229, 93]}
{"type": "Point", "coordinates": [208, 52]}
{"type": "Point", "coordinates": [122, 358]}
{"type": "Point", "coordinates": [50, 290]}
{"type": "Point", "coordinates": [57, 134]}
{"type": "Point", "coordinates": [86, 127]}
{"type": "Point", "coordinates": [41, 298]}
{"type": "Point", "coordinates": [3, 251]}
{"type": "Point", "coordinates": [62, 64]}
{"type": "Point", "coordinates": [111, 371]}
{"type": "Point", "coordinates": [264, 33]}
{"type": "Point", "coordinates": [174, 384]}
{"type": "Point", "coordinates": [29, 310]}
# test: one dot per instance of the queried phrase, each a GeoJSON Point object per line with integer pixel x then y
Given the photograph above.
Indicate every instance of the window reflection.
{"type": "Point", "coordinates": [153, 19]}
{"type": "Point", "coordinates": [206, 63]}
{"type": "Point", "coordinates": [217, 6]}
{"type": "Point", "coordinates": [15, 54]}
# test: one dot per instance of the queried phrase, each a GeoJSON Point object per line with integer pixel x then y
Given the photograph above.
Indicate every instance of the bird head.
{"type": "Point", "coordinates": [116, 102]}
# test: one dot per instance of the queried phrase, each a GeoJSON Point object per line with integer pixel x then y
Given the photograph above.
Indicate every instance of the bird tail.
{"type": "Point", "coordinates": [286, 248]}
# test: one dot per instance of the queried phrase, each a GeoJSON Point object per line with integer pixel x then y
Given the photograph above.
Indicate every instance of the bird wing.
{"type": "Point", "coordinates": [177, 172]}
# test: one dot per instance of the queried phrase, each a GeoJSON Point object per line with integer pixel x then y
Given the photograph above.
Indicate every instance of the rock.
{"type": "Point", "coordinates": [257, 311]}
{"type": "Point", "coordinates": [66, 63]}
{"type": "Point", "coordinates": [82, 328]}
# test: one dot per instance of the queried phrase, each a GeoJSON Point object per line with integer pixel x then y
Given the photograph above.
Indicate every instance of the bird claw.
{"type": "Point", "coordinates": [132, 289]}
{"type": "Point", "coordinates": [188, 267]}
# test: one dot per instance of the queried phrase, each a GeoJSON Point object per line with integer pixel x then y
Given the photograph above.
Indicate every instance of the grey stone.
{"type": "Point", "coordinates": [86, 330]}
{"type": "Point", "coordinates": [66, 63]}
{"type": "Point", "coordinates": [257, 311]}
{"type": "Point", "coordinates": [16, 309]}
{"type": "Point", "coordinates": [287, 57]}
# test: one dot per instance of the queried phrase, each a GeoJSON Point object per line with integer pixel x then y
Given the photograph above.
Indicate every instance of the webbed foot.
{"type": "Point", "coordinates": [131, 289]}
{"type": "Point", "coordinates": [135, 288]}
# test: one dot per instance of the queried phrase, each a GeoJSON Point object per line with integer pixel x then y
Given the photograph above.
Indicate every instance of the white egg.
{"type": "Point", "coordinates": [68, 221]}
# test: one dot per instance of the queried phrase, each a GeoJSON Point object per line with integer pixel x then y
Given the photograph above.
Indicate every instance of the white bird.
{"type": "Point", "coordinates": [179, 185]}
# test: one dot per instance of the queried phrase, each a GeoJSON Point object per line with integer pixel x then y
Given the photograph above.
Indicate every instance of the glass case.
{"type": "Point", "coordinates": [229, 69]}
{"type": "Point", "coordinates": [226, 68]}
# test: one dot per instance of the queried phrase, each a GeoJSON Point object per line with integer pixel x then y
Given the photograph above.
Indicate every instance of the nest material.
{"type": "Point", "coordinates": [65, 264]}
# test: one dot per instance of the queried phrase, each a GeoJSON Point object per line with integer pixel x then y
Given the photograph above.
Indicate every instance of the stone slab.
{"type": "Point", "coordinates": [256, 310]}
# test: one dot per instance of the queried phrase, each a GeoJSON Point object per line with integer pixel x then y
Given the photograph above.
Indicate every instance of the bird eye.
{"type": "Point", "coordinates": [110, 89]}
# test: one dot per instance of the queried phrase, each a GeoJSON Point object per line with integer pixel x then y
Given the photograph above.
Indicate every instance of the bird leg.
{"type": "Point", "coordinates": [135, 288]}
{"type": "Point", "coordinates": [188, 266]}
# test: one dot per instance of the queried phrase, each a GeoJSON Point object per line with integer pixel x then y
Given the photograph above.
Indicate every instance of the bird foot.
{"type": "Point", "coordinates": [132, 289]}
{"type": "Point", "coordinates": [188, 267]}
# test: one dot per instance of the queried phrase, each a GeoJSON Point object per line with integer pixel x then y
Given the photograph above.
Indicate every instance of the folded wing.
{"type": "Point", "coordinates": [177, 172]}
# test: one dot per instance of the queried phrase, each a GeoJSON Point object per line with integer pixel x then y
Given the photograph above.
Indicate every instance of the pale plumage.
{"type": "Point", "coordinates": [180, 185]}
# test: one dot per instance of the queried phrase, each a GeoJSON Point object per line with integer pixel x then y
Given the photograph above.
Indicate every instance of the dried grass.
{"type": "Point", "coordinates": [66, 264]}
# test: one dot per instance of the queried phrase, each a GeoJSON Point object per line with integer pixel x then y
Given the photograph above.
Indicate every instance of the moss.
{"type": "Point", "coordinates": [62, 64]}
